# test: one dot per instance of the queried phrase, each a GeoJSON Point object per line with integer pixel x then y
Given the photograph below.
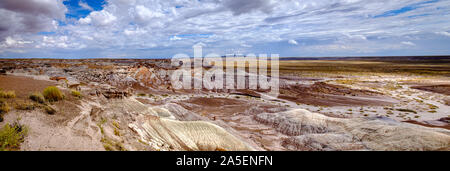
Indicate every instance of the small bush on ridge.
{"type": "Point", "coordinates": [52, 94]}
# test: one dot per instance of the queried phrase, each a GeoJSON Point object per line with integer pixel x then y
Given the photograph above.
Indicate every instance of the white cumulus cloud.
{"type": "Point", "coordinates": [99, 18]}
{"type": "Point", "coordinates": [293, 42]}
{"type": "Point", "coordinates": [408, 43]}
{"type": "Point", "coordinates": [163, 28]}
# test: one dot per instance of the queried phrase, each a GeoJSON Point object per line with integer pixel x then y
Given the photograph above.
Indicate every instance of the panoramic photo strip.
{"type": "Point", "coordinates": [238, 81]}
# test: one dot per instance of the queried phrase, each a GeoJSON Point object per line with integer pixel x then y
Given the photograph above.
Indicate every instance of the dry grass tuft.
{"type": "Point", "coordinates": [7, 94]}
{"type": "Point", "coordinates": [76, 94]}
{"type": "Point", "coordinates": [4, 107]}
{"type": "Point", "coordinates": [49, 110]}
{"type": "Point", "coordinates": [37, 97]}
{"type": "Point", "coordinates": [52, 94]}
{"type": "Point", "coordinates": [24, 105]}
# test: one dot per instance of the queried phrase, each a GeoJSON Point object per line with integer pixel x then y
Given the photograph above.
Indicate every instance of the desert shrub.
{"type": "Point", "coordinates": [1, 113]}
{"type": "Point", "coordinates": [4, 107]}
{"type": "Point", "coordinates": [220, 149]}
{"type": "Point", "coordinates": [116, 124]}
{"type": "Point", "coordinates": [37, 97]}
{"type": "Point", "coordinates": [346, 81]}
{"type": "Point", "coordinates": [392, 86]}
{"type": "Point", "coordinates": [25, 106]}
{"type": "Point", "coordinates": [407, 110]}
{"type": "Point", "coordinates": [116, 132]}
{"type": "Point", "coordinates": [100, 124]}
{"type": "Point", "coordinates": [52, 94]}
{"type": "Point", "coordinates": [49, 110]}
{"type": "Point", "coordinates": [116, 128]}
{"type": "Point", "coordinates": [141, 94]}
{"type": "Point", "coordinates": [110, 145]}
{"type": "Point", "coordinates": [7, 94]}
{"type": "Point", "coordinates": [432, 107]}
{"type": "Point", "coordinates": [76, 93]}
{"type": "Point", "coordinates": [11, 135]}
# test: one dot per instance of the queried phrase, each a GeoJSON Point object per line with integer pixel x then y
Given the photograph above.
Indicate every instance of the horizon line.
{"type": "Point", "coordinates": [381, 56]}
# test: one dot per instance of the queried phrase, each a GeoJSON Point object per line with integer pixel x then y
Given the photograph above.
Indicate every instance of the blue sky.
{"type": "Point", "coordinates": [407, 8]}
{"type": "Point", "coordinates": [81, 8]}
{"type": "Point", "coordinates": [161, 28]}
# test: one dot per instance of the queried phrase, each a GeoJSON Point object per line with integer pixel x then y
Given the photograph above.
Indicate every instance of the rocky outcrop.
{"type": "Point", "coordinates": [139, 127]}
{"type": "Point", "coordinates": [58, 78]}
{"type": "Point", "coordinates": [313, 131]}
{"type": "Point", "coordinates": [445, 119]}
{"type": "Point", "coordinates": [168, 134]}
{"type": "Point", "coordinates": [183, 114]}
{"type": "Point", "coordinates": [111, 93]}
{"type": "Point", "coordinates": [293, 124]}
{"type": "Point", "coordinates": [152, 77]}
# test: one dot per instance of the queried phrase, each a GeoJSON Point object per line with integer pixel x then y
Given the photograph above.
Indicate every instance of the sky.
{"type": "Point", "coordinates": [163, 28]}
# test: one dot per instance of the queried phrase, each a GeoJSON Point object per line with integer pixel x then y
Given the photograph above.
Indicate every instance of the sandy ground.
{"type": "Point", "coordinates": [23, 85]}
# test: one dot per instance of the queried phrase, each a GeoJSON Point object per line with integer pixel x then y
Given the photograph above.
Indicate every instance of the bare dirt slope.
{"type": "Point", "coordinates": [23, 85]}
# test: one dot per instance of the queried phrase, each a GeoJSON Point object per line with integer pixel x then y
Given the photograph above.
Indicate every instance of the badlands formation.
{"type": "Point", "coordinates": [131, 105]}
